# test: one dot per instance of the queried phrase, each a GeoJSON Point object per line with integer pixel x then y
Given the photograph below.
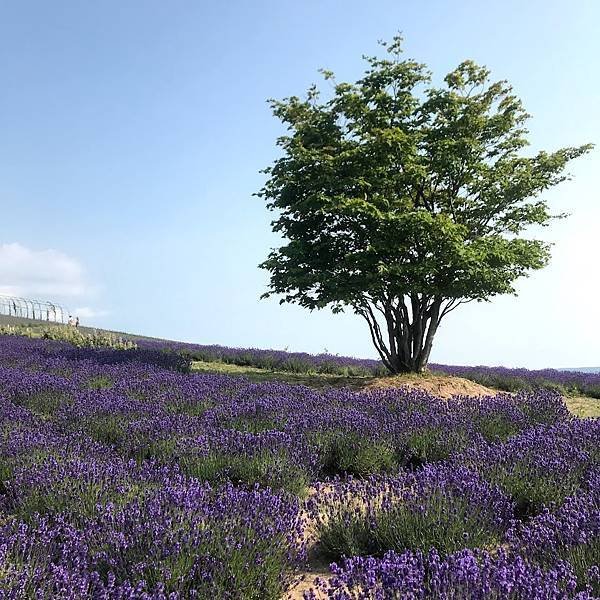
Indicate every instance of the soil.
{"type": "Point", "coordinates": [442, 386]}
{"type": "Point", "coordinates": [306, 581]}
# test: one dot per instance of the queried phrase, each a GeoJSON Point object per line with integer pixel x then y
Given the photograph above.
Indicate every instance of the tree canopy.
{"type": "Point", "coordinates": [402, 200]}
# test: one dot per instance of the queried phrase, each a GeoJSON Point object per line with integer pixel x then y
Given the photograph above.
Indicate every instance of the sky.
{"type": "Point", "coordinates": [132, 135]}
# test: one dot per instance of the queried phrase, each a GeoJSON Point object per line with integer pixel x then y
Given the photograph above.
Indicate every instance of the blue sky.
{"type": "Point", "coordinates": [132, 135]}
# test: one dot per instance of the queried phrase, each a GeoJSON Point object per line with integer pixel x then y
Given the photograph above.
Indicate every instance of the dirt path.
{"type": "Point", "coordinates": [306, 581]}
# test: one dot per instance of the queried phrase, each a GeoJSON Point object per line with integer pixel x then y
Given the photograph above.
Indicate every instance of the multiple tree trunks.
{"type": "Point", "coordinates": [409, 324]}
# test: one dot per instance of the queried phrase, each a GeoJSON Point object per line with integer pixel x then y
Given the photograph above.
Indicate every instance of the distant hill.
{"type": "Point", "coordinates": [583, 369]}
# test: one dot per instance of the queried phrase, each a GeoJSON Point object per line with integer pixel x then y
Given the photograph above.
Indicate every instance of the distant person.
{"type": "Point", "coordinates": [71, 322]}
{"type": "Point", "coordinates": [76, 321]}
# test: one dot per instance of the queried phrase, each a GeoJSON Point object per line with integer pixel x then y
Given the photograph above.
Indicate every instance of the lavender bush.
{"type": "Point", "coordinates": [184, 541]}
{"type": "Point", "coordinates": [465, 575]}
{"type": "Point", "coordinates": [571, 533]}
{"type": "Point", "coordinates": [440, 507]}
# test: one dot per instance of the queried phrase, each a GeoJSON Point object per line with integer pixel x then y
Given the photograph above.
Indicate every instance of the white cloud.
{"type": "Point", "coordinates": [42, 274]}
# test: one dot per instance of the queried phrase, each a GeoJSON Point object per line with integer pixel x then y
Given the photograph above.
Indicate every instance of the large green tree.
{"type": "Point", "coordinates": [403, 200]}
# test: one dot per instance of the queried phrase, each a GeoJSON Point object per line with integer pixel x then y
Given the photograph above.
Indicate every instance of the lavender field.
{"type": "Point", "coordinates": [122, 476]}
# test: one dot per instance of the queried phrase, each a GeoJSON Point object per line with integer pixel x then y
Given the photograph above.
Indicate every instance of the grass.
{"type": "Point", "coordinates": [583, 407]}
{"type": "Point", "coordinates": [314, 380]}
{"type": "Point", "coordinates": [580, 406]}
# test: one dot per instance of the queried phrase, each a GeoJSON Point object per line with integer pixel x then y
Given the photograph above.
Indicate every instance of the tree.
{"type": "Point", "coordinates": [402, 200]}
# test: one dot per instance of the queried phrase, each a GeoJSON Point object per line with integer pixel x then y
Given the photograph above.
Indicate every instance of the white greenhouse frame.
{"type": "Point", "coordinates": [38, 310]}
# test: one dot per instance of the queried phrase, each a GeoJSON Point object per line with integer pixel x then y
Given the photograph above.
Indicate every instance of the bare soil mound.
{"type": "Point", "coordinates": [442, 386]}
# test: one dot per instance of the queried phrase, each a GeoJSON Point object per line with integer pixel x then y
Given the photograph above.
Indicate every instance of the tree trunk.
{"type": "Point", "coordinates": [406, 345]}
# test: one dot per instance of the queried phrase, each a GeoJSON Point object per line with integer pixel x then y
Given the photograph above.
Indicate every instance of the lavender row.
{"type": "Point", "coordinates": [507, 379]}
{"type": "Point", "coordinates": [279, 435]}
{"type": "Point", "coordinates": [573, 382]}
{"type": "Point", "coordinates": [465, 575]}
{"type": "Point", "coordinates": [275, 360]}
{"type": "Point", "coordinates": [182, 540]}
{"type": "Point", "coordinates": [179, 355]}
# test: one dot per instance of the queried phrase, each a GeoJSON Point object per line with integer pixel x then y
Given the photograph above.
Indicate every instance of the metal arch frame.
{"type": "Point", "coordinates": [37, 303]}
{"type": "Point", "coordinates": [25, 303]}
{"type": "Point", "coordinates": [20, 303]}
{"type": "Point", "coordinates": [38, 310]}
{"type": "Point", "coordinates": [4, 304]}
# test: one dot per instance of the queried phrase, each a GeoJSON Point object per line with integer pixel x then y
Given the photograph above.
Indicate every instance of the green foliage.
{"type": "Point", "coordinates": [72, 335]}
{"type": "Point", "coordinates": [349, 453]}
{"type": "Point", "coordinates": [67, 495]}
{"type": "Point", "coordinates": [147, 448]}
{"type": "Point", "coordinates": [279, 362]}
{"type": "Point", "coordinates": [44, 403]}
{"type": "Point", "coordinates": [6, 472]}
{"type": "Point", "coordinates": [346, 535]}
{"type": "Point", "coordinates": [96, 339]}
{"type": "Point", "coordinates": [181, 405]}
{"type": "Point", "coordinates": [80, 499]}
{"type": "Point", "coordinates": [106, 428]}
{"type": "Point", "coordinates": [532, 492]}
{"type": "Point", "coordinates": [432, 444]}
{"type": "Point", "coordinates": [266, 468]}
{"type": "Point", "coordinates": [255, 424]}
{"type": "Point", "coordinates": [593, 391]}
{"type": "Point", "coordinates": [583, 557]}
{"type": "Point", "coordinates": [496, 427]}
{"type": "Point", "coordinates": [99, 382]}
{"type": "Point", "coordinates": [447, 525]}
{"type": "Point", "coordinates": [443, 522]}
{"type": "Point", "coordinates": [70, 494]}
{"type": "Point", "coordinates": [402, 200]}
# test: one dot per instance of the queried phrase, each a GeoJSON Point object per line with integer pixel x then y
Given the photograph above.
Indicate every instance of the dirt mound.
{"type": "Point", "coordinates": [442, 386]}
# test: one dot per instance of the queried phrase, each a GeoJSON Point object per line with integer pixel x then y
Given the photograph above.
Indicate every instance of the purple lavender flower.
{"type": "Point", "coordinates": [469, 575]}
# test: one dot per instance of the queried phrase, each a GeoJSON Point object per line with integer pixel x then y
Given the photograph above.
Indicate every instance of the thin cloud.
{"type": "Point", "coordinates": [44, 274]}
